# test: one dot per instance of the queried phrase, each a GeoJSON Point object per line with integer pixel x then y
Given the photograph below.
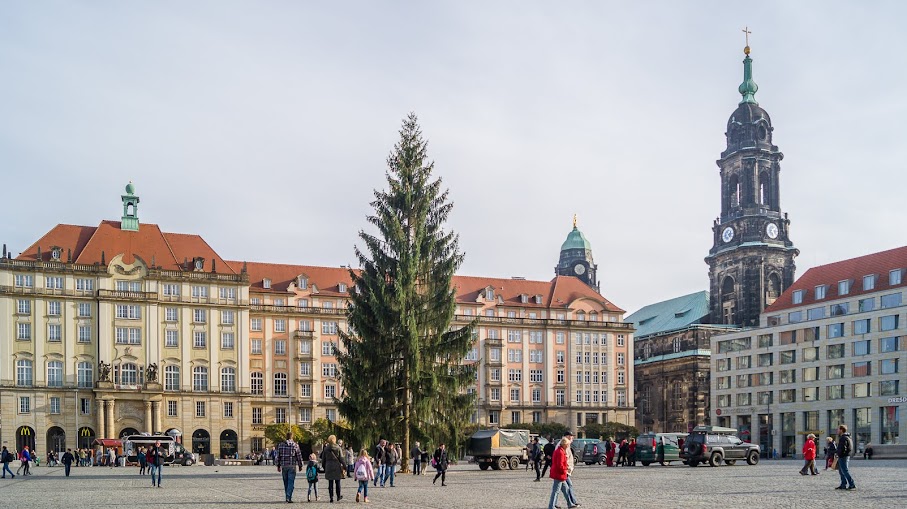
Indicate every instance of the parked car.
{"type": "Point", "coordinates": [578, 446]}
{"type": "Point", "coordinates": [594, 453]}
{"type": "Point", "coordinates": [714, 444]}
{"type": "Point", "coordinates": [660, 448]}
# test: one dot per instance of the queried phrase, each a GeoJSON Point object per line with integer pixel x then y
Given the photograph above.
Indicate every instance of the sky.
{"type": "Point", "coordinates": [264, 126]}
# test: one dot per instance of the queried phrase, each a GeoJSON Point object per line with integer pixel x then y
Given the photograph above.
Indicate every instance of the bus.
{"type": "Point", "coordinates": [176, 453]}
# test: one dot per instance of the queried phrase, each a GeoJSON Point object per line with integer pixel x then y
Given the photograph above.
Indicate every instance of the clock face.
{"type": "Point", "coordinates": [728, 234]}
{"type": "Point", "coordinates": [771, 229]}
{"type": "Point", "coordinates": [580, 269]}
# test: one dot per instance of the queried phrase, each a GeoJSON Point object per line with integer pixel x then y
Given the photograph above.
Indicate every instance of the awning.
{"type": "Point", "coordinates": [108, 442]}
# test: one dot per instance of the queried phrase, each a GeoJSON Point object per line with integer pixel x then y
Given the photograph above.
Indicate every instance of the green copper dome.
{"type": "Point", "coordinates": [130, 189]}
{"type": "Point", "coordinates": [749, 87]}
{"type": "Point", "coordinates": [575, 240]}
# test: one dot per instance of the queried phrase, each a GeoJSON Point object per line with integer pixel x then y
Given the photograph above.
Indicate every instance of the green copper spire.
{"type": "Point", "coordinates": [749, 87]}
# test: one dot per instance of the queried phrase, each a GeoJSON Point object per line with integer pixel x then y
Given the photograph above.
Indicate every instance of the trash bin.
{"type": "Point", "coordinates": [207, 459]}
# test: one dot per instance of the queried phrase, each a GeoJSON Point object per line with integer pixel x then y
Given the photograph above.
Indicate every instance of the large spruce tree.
{"type": "Point", "coordinates": [402, 364]}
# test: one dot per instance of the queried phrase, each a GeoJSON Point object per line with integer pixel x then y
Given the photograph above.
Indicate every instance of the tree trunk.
{"type": "Point", "coordinates": [404, 454]}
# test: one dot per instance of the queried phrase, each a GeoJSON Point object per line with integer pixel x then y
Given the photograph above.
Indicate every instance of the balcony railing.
{"type": "Point", "coordinates": [125, 295]}
{"type": "Point", "coordinates": [296, 310]}
{"type": "Point", "coordinates": [544, 322]}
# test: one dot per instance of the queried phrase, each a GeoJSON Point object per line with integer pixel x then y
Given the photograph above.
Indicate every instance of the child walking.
{"type": "Point", "coordinates": [364, 473]}
{"type": "Point", "coordinates": [311, 475]}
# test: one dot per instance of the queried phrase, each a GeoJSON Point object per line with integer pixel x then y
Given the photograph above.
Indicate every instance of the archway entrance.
{"type": "Point", "coordinates": [56, 439]}
{"type": "Point", "coordinates": [228, 443]}
{"type": "Point", "coordinates": [128, 432]}
{"type": "Point", "coordinates": [201, 442]}
{"type": "Point", "coordinates": [25, 436]}
{"type": "Point", "coordinates": [86, 437]}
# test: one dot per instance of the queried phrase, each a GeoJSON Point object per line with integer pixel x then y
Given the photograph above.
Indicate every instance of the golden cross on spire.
{"type": "Point", "coordinates": [747, 32]}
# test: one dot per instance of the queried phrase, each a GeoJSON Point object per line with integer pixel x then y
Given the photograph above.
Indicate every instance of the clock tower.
{"type": "Point", "coordinates": [576, 258]}
{"type": "Point", "coordinates": [752, 258]}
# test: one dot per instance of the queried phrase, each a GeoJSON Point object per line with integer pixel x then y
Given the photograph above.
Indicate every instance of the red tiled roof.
{"type": "Point", "coordinates": [165, 250]}
{"type": "Point", "coordinates": [853, 270]}
{"type": "Point", "coordinates": [327, 279]}
{"type": "Point", "coordinates": [559, 292]}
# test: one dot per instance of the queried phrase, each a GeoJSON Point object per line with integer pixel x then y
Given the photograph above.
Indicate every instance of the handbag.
{"type": "Point", "coordinates": [834, 463]}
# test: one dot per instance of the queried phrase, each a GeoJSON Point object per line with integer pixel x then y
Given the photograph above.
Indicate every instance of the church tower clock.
{"type": "Point", "coordinates": [576, 258]}
{"type": "Point", "coordinates": [752, 258]}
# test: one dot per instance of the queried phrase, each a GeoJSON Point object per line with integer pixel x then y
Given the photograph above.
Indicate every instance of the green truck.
{"type": "Point", "coordinates": [661, 448]}
{"type": "Point", "coordinates": [499, 449]}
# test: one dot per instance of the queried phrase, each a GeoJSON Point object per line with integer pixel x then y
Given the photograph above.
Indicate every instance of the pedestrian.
{"type": "Point", "coordinates": [809, 456]}
{"type": "Point", "coordinates": [559, 472]}
{"type": "Point", "coordinates": [440, 462]}
{"type": "Point", "coordinates": [390, 456]}
{"type": "Point", "coordinates": [350, 460]}
{"type": "Point", "coordinates": [609, 452]}
{"type": "Point", "coordinates": [535, 457]}
{"type": "Point", "coordinates": [67, 460]}
{"type": "Point", "coordinates": [111, 457]}
{"type": "Point", "coordinates": [845, 451]}
{"type": "Point", "coordinates": [416, 453]}
{"type": "Point", "coordinates": [311, 475]}
{"type": "Point", "coordinates": [364, 473]}
{"type": "Point", "coordinates": [5, 458]}
{"type": "Point", "coordinates": [815, 470]}
{"type": "Point", "coordinates": [379, 461]}
{"type": "Point", "coordinates": [426, 459]}
{"type": "Point", "coordinates": [548, 451]}
{"type": "Point", "coordinates": [333, 464]}
{"type": "Point", "coordinates": [867, 451]}
{"type": "Point", "coordinates": [143, 462]}
{"type": "Point", "coordinates": [571, 464]}
{"type": "Point", "coordinates": [632, 453]}
{"type": "Point", "coordinates": [155, 459]}
{"type": "Point", "coordinates": [288, 461]}
{"type": "Point", "coordinates": [24, 459]}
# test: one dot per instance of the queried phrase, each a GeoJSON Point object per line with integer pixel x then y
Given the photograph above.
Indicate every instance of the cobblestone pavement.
{"type": "Point", "coordinates": [880, 483]}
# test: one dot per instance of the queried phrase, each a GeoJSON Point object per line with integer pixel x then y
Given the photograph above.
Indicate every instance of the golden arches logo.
{"type": "Point", "coordinates": [25, 431]}
{"type": "Point", "coordinates": [86, 432]}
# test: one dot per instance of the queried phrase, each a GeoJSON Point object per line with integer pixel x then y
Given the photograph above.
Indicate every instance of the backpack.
{"type": "Point", "coordinates": [362, 472]}
{"type": "Point", "coordinates": [311, 473]}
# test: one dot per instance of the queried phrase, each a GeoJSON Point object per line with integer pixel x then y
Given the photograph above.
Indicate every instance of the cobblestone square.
{"type": "Point", "coordinates": [880, 483]}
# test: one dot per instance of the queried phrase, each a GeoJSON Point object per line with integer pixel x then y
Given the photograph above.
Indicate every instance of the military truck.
{"type": "Point", "coordinates": [499, 449]}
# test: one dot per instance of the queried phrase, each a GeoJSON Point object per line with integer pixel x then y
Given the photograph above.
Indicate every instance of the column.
{"type": "Point", "coordinates": [111, 432]}
{"type": "Point", "coordinates": [149, 425]}
{"type": "Point", "coordinates": [102, 430]}
{"type": "Point", "coordinates": [156, 405]}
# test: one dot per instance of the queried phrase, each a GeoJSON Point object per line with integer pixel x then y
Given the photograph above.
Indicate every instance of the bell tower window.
{"type": "Point", "coordinates": [130, 219]}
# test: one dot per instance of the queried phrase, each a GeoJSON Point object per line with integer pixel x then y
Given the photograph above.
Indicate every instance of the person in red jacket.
{"type": "Point", "coordinates": [809, 456]}
{"type": "Point", "coordinates": [559, 472]}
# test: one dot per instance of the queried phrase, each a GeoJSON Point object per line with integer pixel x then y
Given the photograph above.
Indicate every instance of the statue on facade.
{"type": "Point", "coordinates": [151, 373]}
{"type": "Point", "coordinates": [103, 371]}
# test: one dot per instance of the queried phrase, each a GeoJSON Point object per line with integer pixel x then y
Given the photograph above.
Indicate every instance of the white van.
{"type": "Point", "coordinates": [176, 453]}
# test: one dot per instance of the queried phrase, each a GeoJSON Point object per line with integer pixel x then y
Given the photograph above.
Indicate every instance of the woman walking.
{"type": "Point", "coordinates": [559, 472]}
{"type": "Point", "coordinates": [440, 463]}
{"type": "Point", "coordinates": [332, 463]}
{"type": "Point", "coordinates": [364, 473]}
{"type": "Point", "coordinates": [809, 456]}
{"type": "Point", "coordinates": [830, 452]}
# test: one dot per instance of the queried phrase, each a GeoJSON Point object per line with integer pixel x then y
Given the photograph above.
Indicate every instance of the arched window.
{"type": "Point", "coordinates": [86, 375]}
{"type": "Point", "coordinates": [55, 374]}
{"type": "Point", "coordinates": [677, 397]}
{"type": "Point", "coordinates": [172, 378]}
{"type": "Point", "coordinates": [773, 288]}
{"type": "Point", "coordinates": [580, 315]}
{"type": "Point", "coordinates": [733, 191]}
{"type": "Point", "coordinates": [280, 384]}
{"type": "Point", "coordinates": [24, 374]}
{"type": "Point", "coordinates": [765, 189]}
{"type": "Point", "coordinates": [200, 378]}
{"type": "Point", "coordinates": [228, 380]}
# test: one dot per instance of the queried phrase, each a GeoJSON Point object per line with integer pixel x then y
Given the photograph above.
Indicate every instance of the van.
{"type": "Point", "coordinates": [662, 448]}
{"type": "Point", "coordinates": [578, 444]}
{"type": "Point", "coordinates": [176, 453]}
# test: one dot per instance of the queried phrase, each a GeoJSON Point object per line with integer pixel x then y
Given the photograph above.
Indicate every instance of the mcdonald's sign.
{"type": "Point", "coordinates": [25, 431]}
{"type": "Point", "coordinates": [85, 432]}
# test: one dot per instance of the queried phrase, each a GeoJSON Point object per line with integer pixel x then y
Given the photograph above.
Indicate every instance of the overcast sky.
{"type": "Point", "coordinates": [264, 126]}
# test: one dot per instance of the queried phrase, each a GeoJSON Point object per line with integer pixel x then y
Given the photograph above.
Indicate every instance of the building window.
{"type": "Point", "coordinates": [887, 345]}
{"type": "Point", "coordinates": [495, 375]}
{"type": "Point", "coordinates": [788, 396]}
{"type": "Point", "coordinates": [514, 395]}
{"type": "Point", "coordinates": [861, 368]}
{"type": "Point", "coordinates": [559, 338]}
{"type": "Point", "coordinates": [228, 293]}
{"type": "Point", "coordinates": [887, 323]}
{"type": "Point", "coordinates": [280, 325]}
{"type": "Point", "coordinates": [280, 347]}
{"type": "Point", "coordinates": [867, 305]}
{"type": "Point", "coordinates": [24, 281]}
{"type": "Point", "coordinates": [24, 375]}
{"type": "Point", "coordinates": [797, 297]}
{"type": "Point", "coordinates": [329, 328]}
{"type": "Point", "coordinates": [23, 307]}
{"type": "Point", "coordinates": [84, 334]}
{"type": "Point", "coordinates": [256, 346]}
{"type": "Point", "coordinates": [834, 392]}
{"type": "Point", "coordinates": [24, 405]}
{"type": "Point", "coordinates": [495, 394]}
{"type": "Point", "coordinates": [888, 388]}
{"type": "Point", "coordinates": [329, 370]}
{"type": "Point", "coordinates": [54, 333]}
{"type": "Point", "coordinates": [258, 383]}
{"type": "Point", "coordinates": [536, 395]}
{"type": "Point", "coordinates": [835, 330]}
{"type": "Point", "coordinates": [515, 375]}
{"type": "Point", "coordinates": [227, 317]}
{"type": "Point", "coordinates": [305, 415]}
{"type": "Point", "coordinates": [328, 347]}
{"type": "Point", "coordinates": [172, 409]}
{"type": "Point", "coordinates": [85, 373]}
{"type": "Point", "coordinates": [494, 417]}
{"type": "Point", "coordinates": [55, 374]}
{"type": "Point", "coordinates": [255, 324]}
{"type": "Point", "coordinates": [128, 374]}
{"type": "Point", "coordinates": [128, 336]}
{"type": "Point", "coordinates": [128, 312]}
{"type": "Point", "coordinates": [891, 300]}
{"type": "Point", "coordinates": [84, 310]}
{"type": "Point", "coordinates": [257, 415]}
{"type": "Point", "coordinates": [84, 406]}
{"type": "Point", "coordinates": [171, 315]}
{"type": "Point", "coordinates": [171, 338]}
{"type": "Point", "coordinates": [228, 380]}
{"type": "Point", "coordinates": [280, 415]}
{"type": "Point", "coordinates": [861, 326]}
{"type": "Point", "coordinates": [620, 377]}
{"type": "Point", "coordinates": [227, 340]}
{"type": "Point", "coordinates": [171, 289]}
{"type": "Point", "coordinates": [843, 287]}
{"type": "Point", "coordinates": [228, 409]}
{"type": "Point", "coordinates": [535, 375]}
{"type": "Point", "coordinates": [200, 379]}
{"type": "Point", "coordinates": [869, 282]}
{"type": "Point", "coordinates": [820, 292]}
{"type": "Point", "coordinates": [54, 403]}
{"type": "Point", "coordinates": [330, 391]}
{"type": "Point", "coordinates": [559, 397]}
{"type": "Point", "coordinates": [862, 390]}
{"type": "Point", "coordinates": [764, 359]}
{"type": "Point", "coordinates": [514, 355]}
{"type": "Point", "coordinates": [305, 369]}
{"type": "Point", "coordinates": [199, 339]}
{"type": "Point", "coordinates": [199, 408]}
{"type": "Point", "coordinates": [53, 283]}
{"type": "Point", "coordinates": [620, 359]}
{"type": "Point", "coordinates": [280, 384]}
{"type": "Point", "coordinates": [23, 331]}
{"type": "Point", "coordinates": [835, 371]}
{"type": "Point", "coordinates": [53, 308]}
{"type": "Point", "coordinates": [815, 313]}
{"type": "Point", "coordinates": [861, 348]}
{"type": "Point", "coordinates": [894, 277]}
{"type": "Point", "coordinates": [840, 309]}
{"type": "Point", "coordinates": [171, 378]}
{"type": "Point", "coordinates": [305, 390]}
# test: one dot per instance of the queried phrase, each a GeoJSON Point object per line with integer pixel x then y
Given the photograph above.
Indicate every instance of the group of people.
{"type": "Point", "coordinates": [25, 458]}
{"type": "Point", "coordinates": [837, 456]}
{"type": "Point", "coordinates": [336, 462]}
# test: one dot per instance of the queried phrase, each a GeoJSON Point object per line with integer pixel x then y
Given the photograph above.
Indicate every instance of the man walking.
{"type": "Point", "coordinates": [155, 459]}
{"type": "Point", "coordinates": [845, 451]}
{"type": "Point", "coordinates": [416, 453]}
{"type": "Point", "coordinates": [5, 458]}
{"type": "Point", "coordinates": [67, 460]}
{"type": "Point", "coordinates": [289, 461]}
{"type": "Point", "coordinates": [379, 460]}
{"type": "Point", "coordinates": [535, 457]}
{"type": "Point", "coordinates": [548, 450]}
{"type": "Point", "coordinates": [390, 465]}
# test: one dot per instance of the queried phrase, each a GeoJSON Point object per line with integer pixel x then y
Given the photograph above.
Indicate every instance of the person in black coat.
{"type": "Point", "coordinates": [440, 461]}
{"type": "Point", "coordinates": [548, 452]}
{"type": "Point", "coordinates": [67, 460]}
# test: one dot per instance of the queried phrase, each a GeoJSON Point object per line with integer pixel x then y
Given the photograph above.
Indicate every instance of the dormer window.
{"type": "Point", "coordinates": [894, 277]}
{"type": "Point", "coordinates": [266, 283]}
{"type": "Point", "coordinates": [797, 296]}
{"type": "Point", "coordinates": [56, 253]}
{"type": "Point", "coordinates": [341, 287]}
{"type": "Point", "coordinates": [524, 298]}
{"type": "Point", "coordinates": [302, 282]}
{"type": "Point", "coordinates": [538, 299]}
{"type": "Point", "coordinates": [869, 282]}
{"type": "Point", "coordinates": [198, 263]}
{"type": "Point", "coordinates": [489, 294]}
{"type": "Point", "coordinates": [843, 287]}
{"type": "Point", "coordinates": [820, 292]}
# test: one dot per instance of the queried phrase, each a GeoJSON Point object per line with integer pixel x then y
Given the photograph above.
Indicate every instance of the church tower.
{"type": "Point", "coordinates": [576, 258]}
{"type": "Point", "coordinates": [752, 258]}
{"type": "Point", "coordinates": [130, 219]}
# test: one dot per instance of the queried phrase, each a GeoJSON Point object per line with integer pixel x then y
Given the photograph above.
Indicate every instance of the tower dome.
{"type": "Point", "coordinates": [576, 258]}
{"type": "Point", "coordinates": [576, 240]}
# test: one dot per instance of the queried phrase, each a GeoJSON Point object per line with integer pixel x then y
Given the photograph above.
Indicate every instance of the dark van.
{"type": "Point", "coordinates": [661, 448]}
{"type": "Point", "coordinates": [594, 453]}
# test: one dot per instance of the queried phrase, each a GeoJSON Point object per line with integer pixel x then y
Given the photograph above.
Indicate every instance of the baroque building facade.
{"type": "Point", "coordinates": [751, 261]}
{"type": "Point", "coordinates": [123, 328]}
